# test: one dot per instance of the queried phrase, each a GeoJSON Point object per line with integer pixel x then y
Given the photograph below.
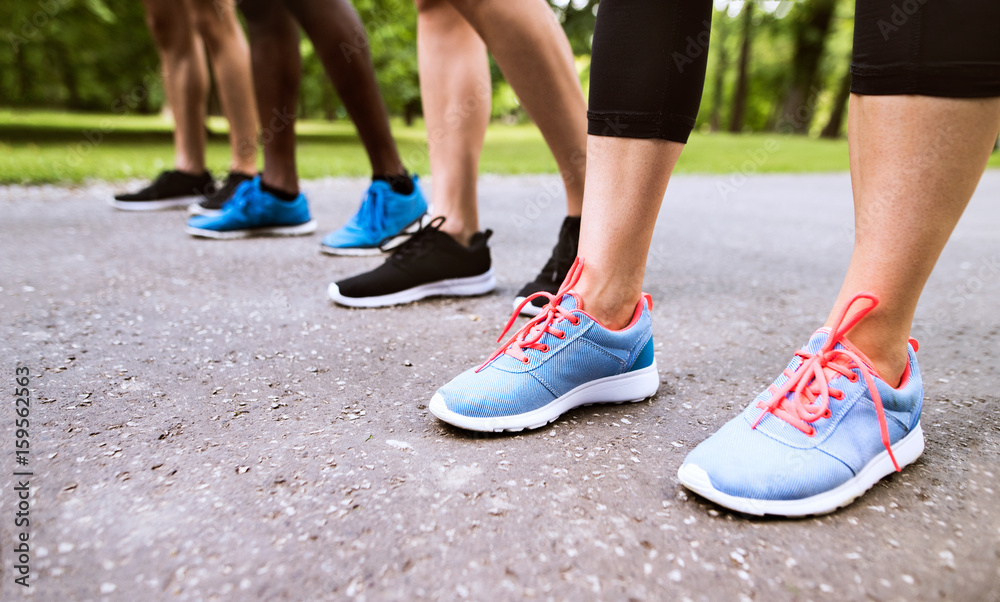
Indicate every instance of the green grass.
{"type": "Point", "coordinates": [48, 146]}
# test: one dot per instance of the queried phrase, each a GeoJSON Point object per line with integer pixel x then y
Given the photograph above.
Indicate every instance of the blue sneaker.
{"type": "Point", "coordinates": [253, 212]}
{"type": "Point", "coordinates": [825, 432]}
{"type": "Point", "coordinates": [560, 359]}
{"type": "Point", "coordinates": [383, 222]}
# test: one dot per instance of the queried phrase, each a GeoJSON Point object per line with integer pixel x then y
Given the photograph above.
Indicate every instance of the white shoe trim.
{"type": "Point", "coordinates": [455, 287]}
{"type": "Point", "coordinates": [529, 309]}
{"type": "Point", "coordinates": [297, 230]}
{"type": "Point", "coordinates": [906, 450]}
{"type": "Point", "coordinates": [387, 245]}
{"type": "Point", "coordinates": [630, 386]}
{"type": "Point", "coordinates": [174, 203]}
{"type": "Point", "coordinates": [351, 251]}
{"type": "Point", "coordinates": [197, 209]}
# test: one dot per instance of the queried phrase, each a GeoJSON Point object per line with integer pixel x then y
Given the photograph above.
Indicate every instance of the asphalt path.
{"type": "Point", "coordinates": [206, 425]}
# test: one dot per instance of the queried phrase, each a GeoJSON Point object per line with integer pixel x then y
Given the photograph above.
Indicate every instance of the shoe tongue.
{"type": "Point", "coordinates": [571, 301]}
{"type": "Point", "coordinates": [819, 338]}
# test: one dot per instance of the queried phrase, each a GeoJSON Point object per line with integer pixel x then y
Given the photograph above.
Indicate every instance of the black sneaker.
{"type": "Point", "coordinates": [554, 272]}
{"type": "Point", "coordinates": [170, 189]}
{"type": "Point", "coordinates": [212, 204]}
{"type": "Point", "coordinates": [429, 263]}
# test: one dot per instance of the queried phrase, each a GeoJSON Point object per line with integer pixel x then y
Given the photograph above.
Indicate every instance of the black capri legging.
{"type": "Point", "coordinates": [648, 65]}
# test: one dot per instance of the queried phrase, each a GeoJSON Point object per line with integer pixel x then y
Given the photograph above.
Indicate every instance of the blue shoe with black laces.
{"type": "Point", "coordinates": [254, 212]}
{"type": "Point", "coordinates": [562, 358]}
{"type": "Point", "coordinates": [384, 221]}
{"type": "Point", "coordinates": [821, 435]}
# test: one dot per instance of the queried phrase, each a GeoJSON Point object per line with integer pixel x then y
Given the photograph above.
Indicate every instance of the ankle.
{"type": "Point", "coordinates": [459, 231]}
{"type": "Point", "coordinates": [279, 192]}
{"type": "Point", "coordinates": [401, 183]}
{"type": "Point", "coordinates": [606, 304]}
{"type": "Point", "coordinates": [389, 166]}
{"type": "Point", "coordinates": [190, 168]}
{"type": "Point", "coordinates": [888, 358]}
{"type": "Point", "coordinates": [889, 367]}
{"type": "Point", "coordinates": [249, 169]}
{"type": "Point", "coordinates": [285, 182]}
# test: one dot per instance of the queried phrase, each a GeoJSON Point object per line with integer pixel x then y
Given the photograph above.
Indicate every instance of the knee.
{"type": "Point", "coordinates": [256, 11]}
{"type": "Point", "coordinates": [428, 5]}
{"type": "Point", "coordinates": [216, 21]}
{"type": "Point", "coordinates": [168, 27]}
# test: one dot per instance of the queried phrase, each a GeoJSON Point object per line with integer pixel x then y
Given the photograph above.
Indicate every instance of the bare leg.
{"type": "Point", "coordinates": [534, 54]}
{"type": "Point", "coordinates": [277, 71]}
{"type": "Point", "coordinates": [456, 92]}
{"type": "Point", "coordinates": [626, 182]}
{"type": "Point", "coordinates": [915, 162]}
{"type": "Point", "coordinates": [227, 49]}
{"type": "Point", "coordinates": [336, 33]}
{"type": "Point", "coordinates": [185, 79]}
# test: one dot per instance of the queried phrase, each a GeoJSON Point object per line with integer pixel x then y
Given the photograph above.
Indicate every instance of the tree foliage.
{"type": "Point", "coordinates": [97, 55]}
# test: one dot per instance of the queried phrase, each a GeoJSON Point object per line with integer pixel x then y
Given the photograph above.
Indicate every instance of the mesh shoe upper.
{"type": "Point", "coordinates": [172, 184]}
{"type": "Point", "coordinates": [383, 214]}
{"type": "Point", "coordinates": [761, 455]}
{"type": "Point", "coordinates": [252, 208]}
{"type": "Point", "coordinates": [554, 353]}
{"type": "Point", "coordinates": [428, 256]}
{"type": "Point", "coordinates": [218, 198]}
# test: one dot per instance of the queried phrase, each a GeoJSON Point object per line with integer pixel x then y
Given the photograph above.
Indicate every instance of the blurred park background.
{"type": "Point", "coordinates": [81, 95]}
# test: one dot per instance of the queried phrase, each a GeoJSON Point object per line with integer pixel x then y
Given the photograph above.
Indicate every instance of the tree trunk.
{"type": "Point", "coordinates": [410, 111]}
{"type": "Point", "coordinates": [812, 28]}
{"type": "Point", "coordinates": [835, 124]}
{"type": "Point", "coordinates": [715, 120]}
{"type": "Point", "coordinates": [24, 79]}
{"type": "Point", "coordinates": [742, 81]}
{"type": "Point", "coordinates": [328, 101]}
{"type": "Point", "coordinates": [60, 56]}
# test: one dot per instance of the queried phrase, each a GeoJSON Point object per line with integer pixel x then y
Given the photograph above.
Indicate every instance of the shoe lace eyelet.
{"type": "Point", "coordinates": [544, 349]}
{"type": "Point", "coordinates": [827, 414]}
{"type": "Point", "coordinates": [561, 335]}
{"type": "Point", "coordinates": [525, 361]}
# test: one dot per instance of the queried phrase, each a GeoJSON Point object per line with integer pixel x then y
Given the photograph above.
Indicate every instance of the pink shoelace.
{"type": "Point", "coordinates": [552, 313]}
{"type": "Point", "coordinates": [805, 396]}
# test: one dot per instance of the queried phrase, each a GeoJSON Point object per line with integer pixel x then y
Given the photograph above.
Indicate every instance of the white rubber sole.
{"type": "Point", "coordinates": [351, 252]}
{"type": "Point", "coordinates": [197, 209]}
{"type": "Point", "coordinates": [454, 287]}
{"type": "Point", "coordinates": [175, 203]}
{"type": "Point", "coordinates": [527, 310]}
{"type": "Point", "coordinates": [297, 230]}
{"type": "Point", "coordinates": [629, 387]}
{"type": "Point", "coordinates": [386, 245]}
{"type": "Point", "coordinates": [906, 450]}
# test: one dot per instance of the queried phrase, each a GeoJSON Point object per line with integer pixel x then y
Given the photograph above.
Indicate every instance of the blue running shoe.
{"type": "Point", "coordinates": [384, 221]}
{"type": "Point", "coordinates": [253, 212]}
{"type": "Point", "coordinates": [824, 433]}
{"type": "Point", "coordinates": [560, 359]}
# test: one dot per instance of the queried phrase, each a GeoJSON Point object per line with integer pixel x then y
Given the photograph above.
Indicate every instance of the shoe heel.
{"type": "Point", "coordinates": [476, 285]}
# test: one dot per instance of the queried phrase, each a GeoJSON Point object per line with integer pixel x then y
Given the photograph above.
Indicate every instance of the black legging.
{"type": "Point", "coordinates": [647, 68]}
{"type": "Point", "coordinates": [648, 65]}
{"type": "Point", "coordinates": [948, 48]}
